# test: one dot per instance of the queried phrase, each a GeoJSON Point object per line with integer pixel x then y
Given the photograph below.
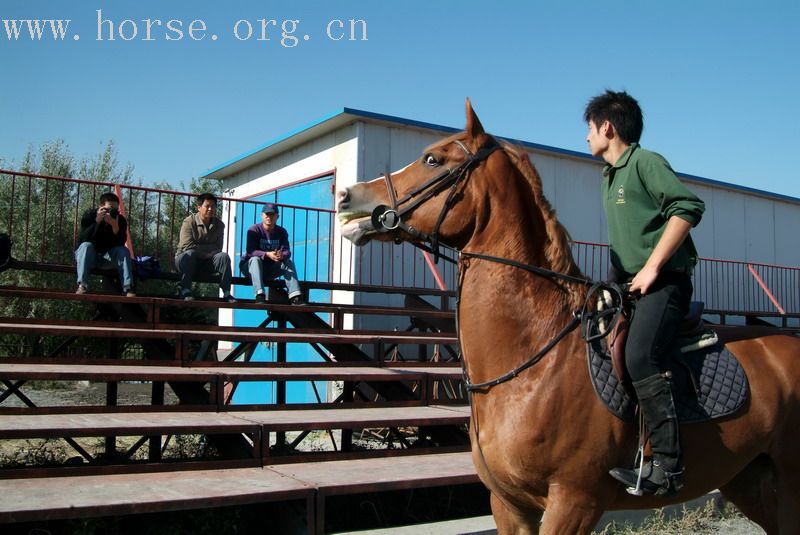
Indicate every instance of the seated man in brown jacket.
{"type": "Point", "coordinates": [200, 248]}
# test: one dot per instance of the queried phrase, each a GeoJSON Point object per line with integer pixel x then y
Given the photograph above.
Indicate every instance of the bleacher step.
{"type": "Point", "coordinates": [18, 426]}
{"type": "Point", "coordinates": [117, 494]}
{"type": "Point", "coordinates": [128, 372]}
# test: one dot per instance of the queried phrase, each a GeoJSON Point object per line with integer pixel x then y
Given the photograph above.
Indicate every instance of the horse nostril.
{"type": "Point", "coordinates": [343, 195]}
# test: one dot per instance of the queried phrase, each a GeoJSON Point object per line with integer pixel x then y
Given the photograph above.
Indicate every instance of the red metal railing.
{"type": "Point", "coordinates": [720, 284]}
{"type": "Point", "coordinates": [42, 215]}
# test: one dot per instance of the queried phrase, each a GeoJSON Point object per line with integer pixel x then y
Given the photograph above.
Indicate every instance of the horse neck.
{"type": "Point", "coordinates": [506, 311]}
{"type": "Point", "coordinates": [513, 220]}
{"type": "Point", "coordinates": [518, 234]}
{"type": "Point", "coordinates": [509, 223]}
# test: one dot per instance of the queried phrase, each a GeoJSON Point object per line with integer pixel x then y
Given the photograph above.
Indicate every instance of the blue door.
{"type": "Point", "coordinates": [310, 240]}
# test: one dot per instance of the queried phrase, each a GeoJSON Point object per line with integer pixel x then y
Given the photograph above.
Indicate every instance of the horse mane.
{"type": "Point", "coordinates": [557, 251]}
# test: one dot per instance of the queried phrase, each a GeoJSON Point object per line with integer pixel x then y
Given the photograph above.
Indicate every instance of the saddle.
{"type": "Point", "coordinates": [707, 380]}
{"type": "Point", "coordinates": [690, 335]}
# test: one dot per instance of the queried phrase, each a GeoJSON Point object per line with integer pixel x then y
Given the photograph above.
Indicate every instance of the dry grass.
{"type": "Point", "coordinates": [707, 520]}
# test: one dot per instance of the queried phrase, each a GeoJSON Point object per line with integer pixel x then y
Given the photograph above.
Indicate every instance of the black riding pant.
{"type": "Point", "coordinates": [654, 320]}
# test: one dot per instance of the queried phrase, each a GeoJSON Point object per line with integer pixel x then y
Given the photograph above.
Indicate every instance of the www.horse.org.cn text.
{"type": "Point", "coordinates": [286, 33]}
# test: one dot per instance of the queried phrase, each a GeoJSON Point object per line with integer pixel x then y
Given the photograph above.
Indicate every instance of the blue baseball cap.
{"type": "Point", "coordinates": [269, 208]}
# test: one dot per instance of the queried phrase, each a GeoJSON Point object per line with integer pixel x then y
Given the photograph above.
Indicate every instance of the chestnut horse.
{"type": "Point", "coordinates": [542, 442]}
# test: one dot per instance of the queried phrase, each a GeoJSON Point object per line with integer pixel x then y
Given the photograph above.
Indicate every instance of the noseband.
{"type": "Point", "coordinates": [388, 218]}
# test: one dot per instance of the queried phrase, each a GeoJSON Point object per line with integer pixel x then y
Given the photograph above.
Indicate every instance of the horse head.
{"type": "Point", "coordinates": [431, 197]}
{"type": "Point", "coordinates": [468, 191]}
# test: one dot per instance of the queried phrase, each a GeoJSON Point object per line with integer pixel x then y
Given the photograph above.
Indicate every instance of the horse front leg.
{"type": "Point", "coordinates": [513, 522]}
{"type": "Point", "coordinates": [570, 511]}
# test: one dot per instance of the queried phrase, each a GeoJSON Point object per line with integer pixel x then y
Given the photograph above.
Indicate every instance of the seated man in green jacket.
{"type": "Point", "coordinates": [649, 213]}
{"type": "Point", "coordinates": [200, 248]}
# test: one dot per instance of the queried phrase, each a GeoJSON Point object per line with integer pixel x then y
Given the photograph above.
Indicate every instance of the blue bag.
{"type": "Point", "coordinates": [146, 267]}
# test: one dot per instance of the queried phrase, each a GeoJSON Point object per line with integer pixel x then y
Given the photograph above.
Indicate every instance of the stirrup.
{"type": "Point", "coordinates": [637, 490]}
{"type": "Point", "coordinates": [672, 482]}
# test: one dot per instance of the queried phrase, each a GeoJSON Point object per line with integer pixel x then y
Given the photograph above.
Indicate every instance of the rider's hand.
{"type": "Point", "coordinates": [643, 280]}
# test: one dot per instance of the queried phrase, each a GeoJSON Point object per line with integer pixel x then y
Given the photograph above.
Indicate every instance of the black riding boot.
{"type": "Point", "coordinates": [662, 475]}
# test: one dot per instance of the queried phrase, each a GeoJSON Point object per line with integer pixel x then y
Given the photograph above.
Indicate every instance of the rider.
{"type": "Point", "coordinates": [649, 213]}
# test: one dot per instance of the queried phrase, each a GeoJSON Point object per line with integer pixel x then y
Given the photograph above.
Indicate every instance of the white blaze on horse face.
{"type": "Point", "coordinates": [404, 168]}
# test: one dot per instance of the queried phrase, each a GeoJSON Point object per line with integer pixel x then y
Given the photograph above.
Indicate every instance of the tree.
{"type": "Point", "coordinates": [42, 216]}
{"type": "Point", "coordinates": [38, 214]}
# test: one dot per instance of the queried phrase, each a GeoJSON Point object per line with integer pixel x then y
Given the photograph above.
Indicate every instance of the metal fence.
{"type": "Point", "coordinates": [720, 284]}
{"type": "Point", "coordinates": [42, 214]}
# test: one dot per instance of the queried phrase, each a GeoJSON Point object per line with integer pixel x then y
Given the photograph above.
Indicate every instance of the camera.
{"type": "Point", "coordinates": [113, 212]}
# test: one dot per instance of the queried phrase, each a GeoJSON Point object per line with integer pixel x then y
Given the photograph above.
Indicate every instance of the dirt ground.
{"type": "Point", "coordinates": [77, 393]}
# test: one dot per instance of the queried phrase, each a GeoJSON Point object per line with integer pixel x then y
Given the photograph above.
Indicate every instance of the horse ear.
{"type": "Point", "coordinates": [474, 127]}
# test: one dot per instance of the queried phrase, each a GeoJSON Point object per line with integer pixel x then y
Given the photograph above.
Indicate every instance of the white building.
{"type": "Point", "coordinates": [306, 166]}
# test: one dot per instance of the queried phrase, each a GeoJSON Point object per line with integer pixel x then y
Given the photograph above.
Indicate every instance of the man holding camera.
{"type": "Point", "coordinates": [102, 238]}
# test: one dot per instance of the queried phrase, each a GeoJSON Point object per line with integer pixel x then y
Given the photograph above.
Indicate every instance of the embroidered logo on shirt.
{"type": "Point", "coordinates": [621, 195]}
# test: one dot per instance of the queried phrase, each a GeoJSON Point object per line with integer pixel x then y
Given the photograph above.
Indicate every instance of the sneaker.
{"type": "Point", "coordinates": [130, 293]}
{"type": "Point", "coordinates": [261, 298]}
{"type": "Point", "coordinates": [82, 289]}
{"type": "Point", "coordinates": [186, 295]}
{"type": "Point", "coordinates": [297, 300]}
{"type": "Point", "coordinates": [228, 298]}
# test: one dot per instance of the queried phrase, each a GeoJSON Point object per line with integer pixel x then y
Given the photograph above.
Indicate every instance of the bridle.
{"type": "Point", "coordinates": [386, 219]}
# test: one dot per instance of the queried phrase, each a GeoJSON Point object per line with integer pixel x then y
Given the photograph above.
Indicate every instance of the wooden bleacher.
{"type": "Point", "coordinates": [376, 394]}
{"type": "Point", "coordinates": [30, 499]}
{"type": "Point", "coordinates": [216, 376]}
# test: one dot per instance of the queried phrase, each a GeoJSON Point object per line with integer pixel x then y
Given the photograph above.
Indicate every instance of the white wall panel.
{"type": "Point", "coordinates": [729, 225]}
{"type": "Point", "coordinates": [787, 234]}
{"type": "Point", "coordinates": [334, 151]}
{"type": "Point", "coordinates": [408, 144]}
{"type": "Point", "coordinates": [374, 152]}
{"type": "Point", "coordinates": [703, 234]}
{"type": "Point", "coordinates": [546, 166]}
{"type": "Point", "coordinates": [578, 200]}
{"type": "Point", "coordinates": [759, 229]}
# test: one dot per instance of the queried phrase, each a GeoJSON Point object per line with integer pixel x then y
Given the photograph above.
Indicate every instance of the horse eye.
{"type": "Point", "coordinates": [430, 159]}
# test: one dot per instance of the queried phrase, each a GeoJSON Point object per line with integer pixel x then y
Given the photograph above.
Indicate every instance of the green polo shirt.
{"type": "Point", "coordinates": [640, 194]}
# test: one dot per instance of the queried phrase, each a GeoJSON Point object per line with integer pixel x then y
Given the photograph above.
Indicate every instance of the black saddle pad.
{"type": "Point", "coordinates": [716, 387]}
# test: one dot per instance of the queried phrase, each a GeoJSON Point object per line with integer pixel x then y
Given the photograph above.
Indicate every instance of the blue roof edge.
{"type": "Point", "coordinates": [275, 141]}
{"type": "Point", "coordinates": [451, 130]}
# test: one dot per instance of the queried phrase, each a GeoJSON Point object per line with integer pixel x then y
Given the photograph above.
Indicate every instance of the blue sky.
{"type": "Point", "coordinates": [718, 80]}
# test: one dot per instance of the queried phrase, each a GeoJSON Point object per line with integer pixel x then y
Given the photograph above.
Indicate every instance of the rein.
{"type": "Point", "coordinates": [583, 316]}
{"type": "Point", "coordinates": [486, 385]}
{"type": "Point", "coordinates": [576, 319]}
{"type": "Point", "coordinates": [542, 272]}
